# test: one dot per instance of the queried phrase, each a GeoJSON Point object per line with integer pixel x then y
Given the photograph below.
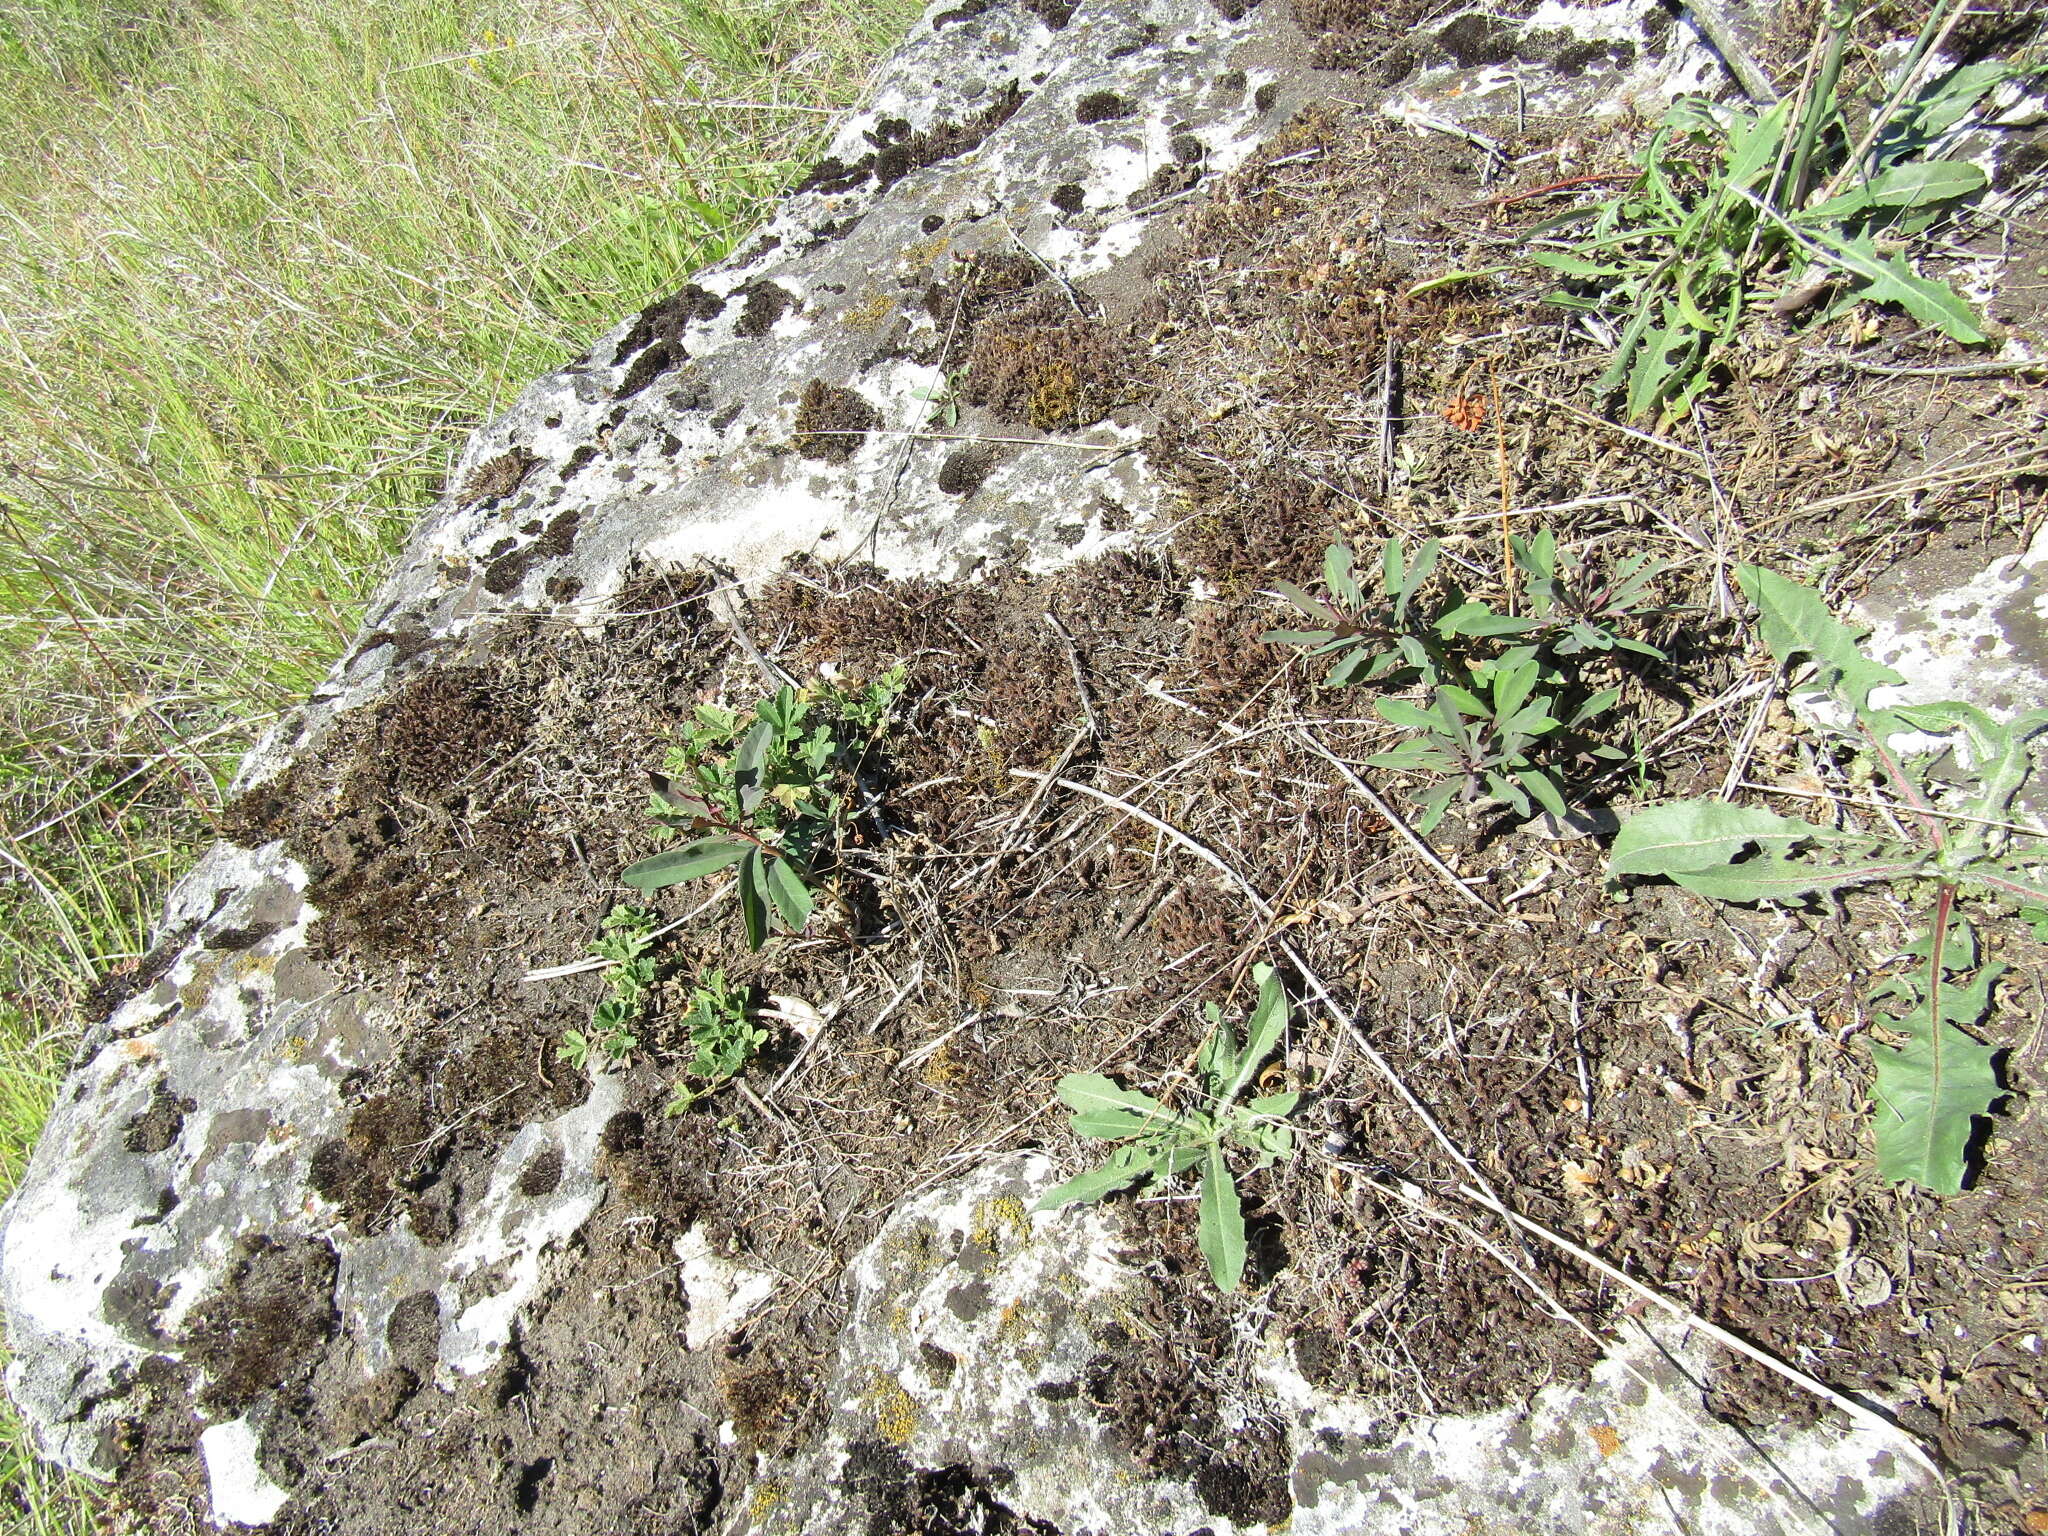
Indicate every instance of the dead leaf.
{"type": "Point", "coordinates": [1863, 1281]}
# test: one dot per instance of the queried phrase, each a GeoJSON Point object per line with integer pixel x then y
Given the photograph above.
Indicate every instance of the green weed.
{"type": "Point", "coordinates": [721, 1037]}
{"type": "Point", "coordinates": [1505, 699]}
{"type": "Point", "coordinates": [1729, 213]}
{"type": "Point", "coordinates": [1934, 1084]}
{"type": "Point", "coordinates": [1159, 1142]}
{"type": "Point", "coordinates": [772, 792]}
{"type": "Point", "coordinates": [626, 942]}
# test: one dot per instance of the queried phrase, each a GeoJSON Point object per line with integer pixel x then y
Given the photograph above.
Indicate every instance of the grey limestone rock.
{"type": "Point", "coordinates": [200, 1166]}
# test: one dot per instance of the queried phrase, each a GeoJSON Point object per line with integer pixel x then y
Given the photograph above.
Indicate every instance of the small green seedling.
{"type": "Point", "coordinates": [723, 1040]}
{"type": "Point", "coordinates": [1485, 738]}
{"type": "Point", "coordinates": [1580, 610]}
{"type": "Point", "coordinates": [944, 400]}
{"type": "Point", "coordinates": [1503, 692]}
{"type": "Point", "coordinates": [627, 937]}
{"type": "Point", "coordinates": [1931, 1087]}
{"type": "Point", "coordinates": [1159, 1142]}
{"type": "Point", "coordinates": [1406, 629]}
{"type": "Point", "coordinates": [773, 792]}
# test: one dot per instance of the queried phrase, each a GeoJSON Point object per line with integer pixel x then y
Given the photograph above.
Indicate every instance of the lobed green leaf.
{"type": "Point", "coordinates": [1795, 620]}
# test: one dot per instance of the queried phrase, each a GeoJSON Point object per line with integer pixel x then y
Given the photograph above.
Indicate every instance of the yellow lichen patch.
{"type": "Point", "coordinates": [194, 993]}
{"type": "Point", "coordinates": [767, 1494]}
{"type": "Point", "coordinates": [1605, 1437]}
{"type": "Point", "coordinates": [869, 312]}
{"type": "Point", "coordinates": [1000, 1222]}
{"type": "Point", "coordinates": [925, 252]}
{"type": "Point", "coordinates": [895, 1410]}
{"type": "Point", "coordinates": [915, 1250]}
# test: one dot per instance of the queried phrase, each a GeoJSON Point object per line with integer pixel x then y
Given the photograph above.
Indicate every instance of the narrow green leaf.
{"type": "Point", "coordinates": [1571, 266]}
{"type": "Point", "coordinates": [1434, 804]}
{"type": "Point", "coordinates": [1406, 715]}
{"type": "Point", "coordinates": [1314, 607]}
{"type": "Point", "coordinates": [1625, 349]}
{"type": "Point", "coordinates": [1948, 100]}
{"type": "Point", "coordinates": [1544, 790]}
{"type": "Point", "coordinates": [1464, 701]}
{"type": "Point", "coordinates": [1216, 1059]}
{"type": "Point", "coordinates": [1296, 637]}
{"type": "Point", "coordinates": [1769, 877]}
{"type": "Point", "coordinates": [1085, 1092]}
{"type": "Point", "coordinates": [753, 909]}
{"type": "Point", "coordinates": [1598, 704]}
{"type": "Point", "coordinates": [747, 765]}
{"type": "Point", "coordinates": [1889, 280]}
{"type": "Point", "coordinates": [1411, 582]}
{"type": "Point", "coordinates": [1919, 184]}
{"type": "Point", "coordinates": [1124, 1168]}
{"type": "Point", "coordinates": [1412, 757]}
{"type": "Point", "coordinates": [1480, 621]}
{"type": "Point", "coordinates": [1753, 143]}
{"type": "Point", "coordinates": [706, 856]}
{"type": "Point", "coordinates": [1507, 792]}
{"type": "Point", "coordinates": [1221, 1236]}
{"type": "Point", "coordinates": [1274, 1104]}
{"type": "Point", "coordinates": [1112, 1124]}
{"type": "Point", "coordinates": [1536, 720]}
{"type": "Point", "coordinates": [1512, 687]}
{"type": "Point", "coordinates": [2009, 880]}
{"type": "Point", "coordinates": [1348, 671]}
{"type": "Point", "coordinates": [1702, 834]}
{"type": "Point", "coordinates": [1338, 578]}
{"type": "Point", "coordinates": [1654, 366]}
{"type": "Point", "coordinates": [1263, 1033]}
{"type": "Point", "coordinates": [792, 898]}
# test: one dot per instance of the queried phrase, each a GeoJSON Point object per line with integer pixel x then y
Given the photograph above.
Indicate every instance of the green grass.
{"type": "Point", "coordinates": [262, 264]}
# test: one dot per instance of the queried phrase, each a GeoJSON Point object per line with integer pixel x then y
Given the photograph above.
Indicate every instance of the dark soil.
{"type": "Point", "coordinates": [1677, 1084]}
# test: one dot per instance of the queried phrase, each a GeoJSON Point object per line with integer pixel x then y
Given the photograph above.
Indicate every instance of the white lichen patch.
{"type": "Point", "coordinates": [720, 1292]}
{"type": "Point", "coordinates": [242, 1494]}
{"type": "Point", "coordinates": [508, 1232]}
{"type": "Point", "coordinates": [1633, 1448]}
{"type": "Point", "coordinates": [967, 1304]}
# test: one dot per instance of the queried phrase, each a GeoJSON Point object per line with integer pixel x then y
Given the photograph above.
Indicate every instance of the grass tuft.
{"type": "Point", "coordinates": [262, 266]}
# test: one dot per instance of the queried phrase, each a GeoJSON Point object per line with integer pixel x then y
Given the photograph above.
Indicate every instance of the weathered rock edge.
{"type": "Point", "coordinates": [176, 1163]}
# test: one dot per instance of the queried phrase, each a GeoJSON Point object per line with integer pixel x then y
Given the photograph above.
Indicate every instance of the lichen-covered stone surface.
{"type": "Point", "coordinates": [1092, 324]}
{"type": "Point", "coordinates": [970, 1380]}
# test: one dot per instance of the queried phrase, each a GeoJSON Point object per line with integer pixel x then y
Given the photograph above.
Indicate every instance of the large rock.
{"type": "Point", "coordinates": [280, 1262]}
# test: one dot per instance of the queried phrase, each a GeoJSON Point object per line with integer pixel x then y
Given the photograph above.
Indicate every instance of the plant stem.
{"type": "Point", "coordinates": [1820, 101]}
{"type": "Point", "coordinates": [1707, 16]}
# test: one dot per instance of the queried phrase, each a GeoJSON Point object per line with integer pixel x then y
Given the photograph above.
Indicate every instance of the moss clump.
{"type": "Point", "coordinates": [833, 422]}
{"type": "Point", "coordinates": [1055, 371]}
